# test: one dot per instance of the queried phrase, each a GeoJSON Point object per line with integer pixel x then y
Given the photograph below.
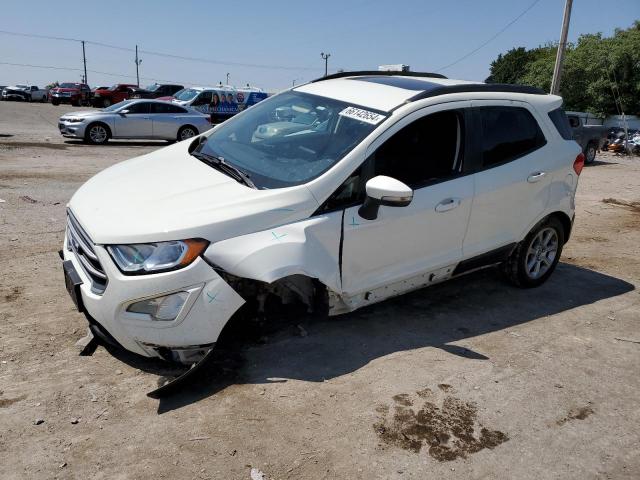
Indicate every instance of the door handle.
{"type": "Point", "coordinates": [535, 177]}
{"type": "Point", "coordinates": [447, 204]}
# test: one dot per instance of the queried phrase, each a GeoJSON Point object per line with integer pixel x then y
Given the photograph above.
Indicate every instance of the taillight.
{"type": "Point", "coordinates": [578, 163]}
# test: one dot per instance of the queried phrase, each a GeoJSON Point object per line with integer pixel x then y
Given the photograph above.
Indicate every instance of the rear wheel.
{"type": "Point", "coordinates": [535, 258]}
{"type": "Point", "coordinates": [590, 153]}
{"type": "Point", "coordinates": [187, 132]}
{"type": "Point", "coordinates": [97, 134]}
{"type": "Point", "coordinates": [106, 102]}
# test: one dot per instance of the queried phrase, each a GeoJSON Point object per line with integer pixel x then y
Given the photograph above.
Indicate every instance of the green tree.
{"type": "Point", "coordinates": [601, 75]}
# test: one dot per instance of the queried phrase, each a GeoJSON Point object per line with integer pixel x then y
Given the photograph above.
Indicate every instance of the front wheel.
{"type": "Point", "coordinates": [106, 103]}
{"type": "Point", "coordinates": [536, 257]}
{"type": "Point", "coordinates": [97, 134]}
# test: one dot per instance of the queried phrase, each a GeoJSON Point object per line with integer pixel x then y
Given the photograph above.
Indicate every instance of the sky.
{"type": "Point", "coordinates": [274, 44]}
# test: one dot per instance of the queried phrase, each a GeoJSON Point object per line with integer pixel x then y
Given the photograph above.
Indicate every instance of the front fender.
{"type": "Point", "coordinates": [309, 247]}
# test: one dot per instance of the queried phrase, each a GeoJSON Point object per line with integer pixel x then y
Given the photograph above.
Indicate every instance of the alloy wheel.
{"type": "Point", "coordinates": [98, 134]}
{"type": "Point", "coordinates": [541, 253]}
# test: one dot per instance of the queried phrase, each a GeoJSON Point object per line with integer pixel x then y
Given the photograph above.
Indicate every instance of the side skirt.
{"type": "Point", "coordinates": [492, 257]}
{"type": "Point", "coordinates": [339, 304]}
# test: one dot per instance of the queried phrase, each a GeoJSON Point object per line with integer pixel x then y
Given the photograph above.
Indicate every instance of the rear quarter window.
{"type": "Point", "coordinates": [508, 133]}
{"type": "Point", "coordinates": [561, 122]}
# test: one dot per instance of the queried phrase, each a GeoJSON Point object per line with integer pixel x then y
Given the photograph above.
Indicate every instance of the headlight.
{"type": "Point", "coordinates": [143, 258]}
{"type": "Point", "coordinates": [73, 120]}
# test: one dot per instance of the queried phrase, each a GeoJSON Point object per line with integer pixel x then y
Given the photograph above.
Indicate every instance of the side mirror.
{"type": "Point", "coordinates": [387, 191]}
{"type": "Point", "coordinates": [123, 112]}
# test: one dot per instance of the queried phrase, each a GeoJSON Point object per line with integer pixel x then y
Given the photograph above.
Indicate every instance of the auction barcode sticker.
{"type": "Point", "coordinates": [362, 115]}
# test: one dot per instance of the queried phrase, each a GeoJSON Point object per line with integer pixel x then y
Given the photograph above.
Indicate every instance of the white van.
{"type": "Point", "coordinates": [220, 102]}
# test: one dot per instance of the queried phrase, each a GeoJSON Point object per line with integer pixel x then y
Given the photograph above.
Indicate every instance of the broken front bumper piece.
{"type": "Point", "coordinates": [207, 302]}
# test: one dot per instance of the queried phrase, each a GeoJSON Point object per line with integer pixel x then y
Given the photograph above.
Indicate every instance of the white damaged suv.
{"type": "Point", "coordinates": [336, 194]}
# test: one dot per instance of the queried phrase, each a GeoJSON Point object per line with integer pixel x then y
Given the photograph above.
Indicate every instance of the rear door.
{"type": "Point", "coordinates": [167, 119]}
{"type": "Point", "coordinates": [515, 166]}
{"type": "Point", "coordinates": [136, 123]}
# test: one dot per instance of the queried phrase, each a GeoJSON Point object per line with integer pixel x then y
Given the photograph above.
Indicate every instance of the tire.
{"type": "Point", "coordinates": [97, 134]}
{"type": "Point", "coordinates": [186, 132]}
{"type": "Point", "coordinates": [535, 258]}
{"type": "Point", "coordinates": [75, 103]}
{"type": "Point", "coordinates": [106, 102]}
{"type": "Point", "coordinates": [55, 103]}
{"type": "Point", "coordinates": [43, 99]}
{"type": "Point", "coordinates": [590, 153]}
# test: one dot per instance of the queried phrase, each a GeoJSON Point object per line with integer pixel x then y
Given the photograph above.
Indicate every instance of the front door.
{"type": "Point", "coordinates": [426, 151]}
{"type": "Point", "coordinates": [136, 123]}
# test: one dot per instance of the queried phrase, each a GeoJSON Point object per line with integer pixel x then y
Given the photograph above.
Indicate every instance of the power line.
{"type": "Point", "coordinates": [490, 39]}
{"type": "Point", "coordinates": [160, 54]}
{"type": "Point", "coordinates": [111, 74]}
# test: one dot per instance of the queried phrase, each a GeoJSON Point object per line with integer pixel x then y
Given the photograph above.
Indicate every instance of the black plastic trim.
{"type": "Point", "coordinates": [361, 73]}
{"type": "Point", "coordinates": [479, 88]}
{"type": "Point", "coordinates": [485, 259]}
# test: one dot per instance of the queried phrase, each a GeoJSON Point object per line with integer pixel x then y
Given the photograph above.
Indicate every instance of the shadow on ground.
{"type": "Point", "coordinates": [472, 305]}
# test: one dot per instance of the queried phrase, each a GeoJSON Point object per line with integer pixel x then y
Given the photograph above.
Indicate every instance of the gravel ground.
{"type": "Point", "coordinates": [468, 379]}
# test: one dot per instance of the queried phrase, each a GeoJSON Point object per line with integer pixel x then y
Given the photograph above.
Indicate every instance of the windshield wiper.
{"type": "Point", "coordinates": [220, 164]}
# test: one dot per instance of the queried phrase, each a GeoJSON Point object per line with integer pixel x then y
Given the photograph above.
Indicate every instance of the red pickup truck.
{"type": "Point", "coordinates": [115, 94]}
{"type": "Point", "coordinates": [76, 94]}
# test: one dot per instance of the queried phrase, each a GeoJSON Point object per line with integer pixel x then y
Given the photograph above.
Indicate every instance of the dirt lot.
{"type": "Point", "coordinates": [469, 379]}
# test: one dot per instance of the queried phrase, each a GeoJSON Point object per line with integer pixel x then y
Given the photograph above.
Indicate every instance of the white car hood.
{"type": "Point", "coordinates": [170, 195]}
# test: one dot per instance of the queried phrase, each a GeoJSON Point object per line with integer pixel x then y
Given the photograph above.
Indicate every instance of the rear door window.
{"type": "Point", "coordinates": [166, 108]}
{"type": "Point", "coordinates": [508, 133]}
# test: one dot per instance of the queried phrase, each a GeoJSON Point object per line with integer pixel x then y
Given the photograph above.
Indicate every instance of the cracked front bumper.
{"type": "Point", "coordinates": [210, 303]}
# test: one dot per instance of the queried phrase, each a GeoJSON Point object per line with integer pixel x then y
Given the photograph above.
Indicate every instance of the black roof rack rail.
{"type": "Point", "coordinates": [361, 73]}
{"type": "Point", "coordinates": [477, 87]}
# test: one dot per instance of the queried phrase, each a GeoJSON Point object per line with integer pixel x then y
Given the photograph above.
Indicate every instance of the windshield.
{"type": "Point", "coordinates": [22, 86]}
{"type": "Point", "coordinates": [186, 94]}
{"type": "Point", "coordinates": [68, 85]}
{"type": "Point", "coordinates": [153, 88]}
{"type": "Point", "coordinates": [116, 106]}
{"type": "Point", "coordinates": [290, 138]}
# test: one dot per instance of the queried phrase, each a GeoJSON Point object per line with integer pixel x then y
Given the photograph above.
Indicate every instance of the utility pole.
{"type": "Point", "coordinates": [557, 70]}
{"type": "Point", "coordinates": [325, 57]}
{"type": "Point", "coordinates": [84, 60]}
{"type": "Point", "coordinates": [137, 61]}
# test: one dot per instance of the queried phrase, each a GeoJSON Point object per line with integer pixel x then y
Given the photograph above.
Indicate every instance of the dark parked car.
{"type": "Point", "coordinates": [156, 91]}
{"type": "Point", "coordinates": [590, 137]}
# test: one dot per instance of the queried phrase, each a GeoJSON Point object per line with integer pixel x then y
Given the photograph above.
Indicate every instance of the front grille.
{"type": "Point", "coordinates": [81, 245]}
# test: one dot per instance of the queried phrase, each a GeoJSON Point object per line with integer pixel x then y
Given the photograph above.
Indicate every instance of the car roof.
{"type": "Point", "coordinates": [386, 91]}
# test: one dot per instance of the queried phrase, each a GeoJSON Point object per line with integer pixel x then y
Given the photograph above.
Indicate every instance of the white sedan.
{"type": "Point", "coordinates": [135, 119]}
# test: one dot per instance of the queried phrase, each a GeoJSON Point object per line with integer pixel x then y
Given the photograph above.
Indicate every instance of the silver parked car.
{"type": "Point", "coordinates": [139, 119]}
